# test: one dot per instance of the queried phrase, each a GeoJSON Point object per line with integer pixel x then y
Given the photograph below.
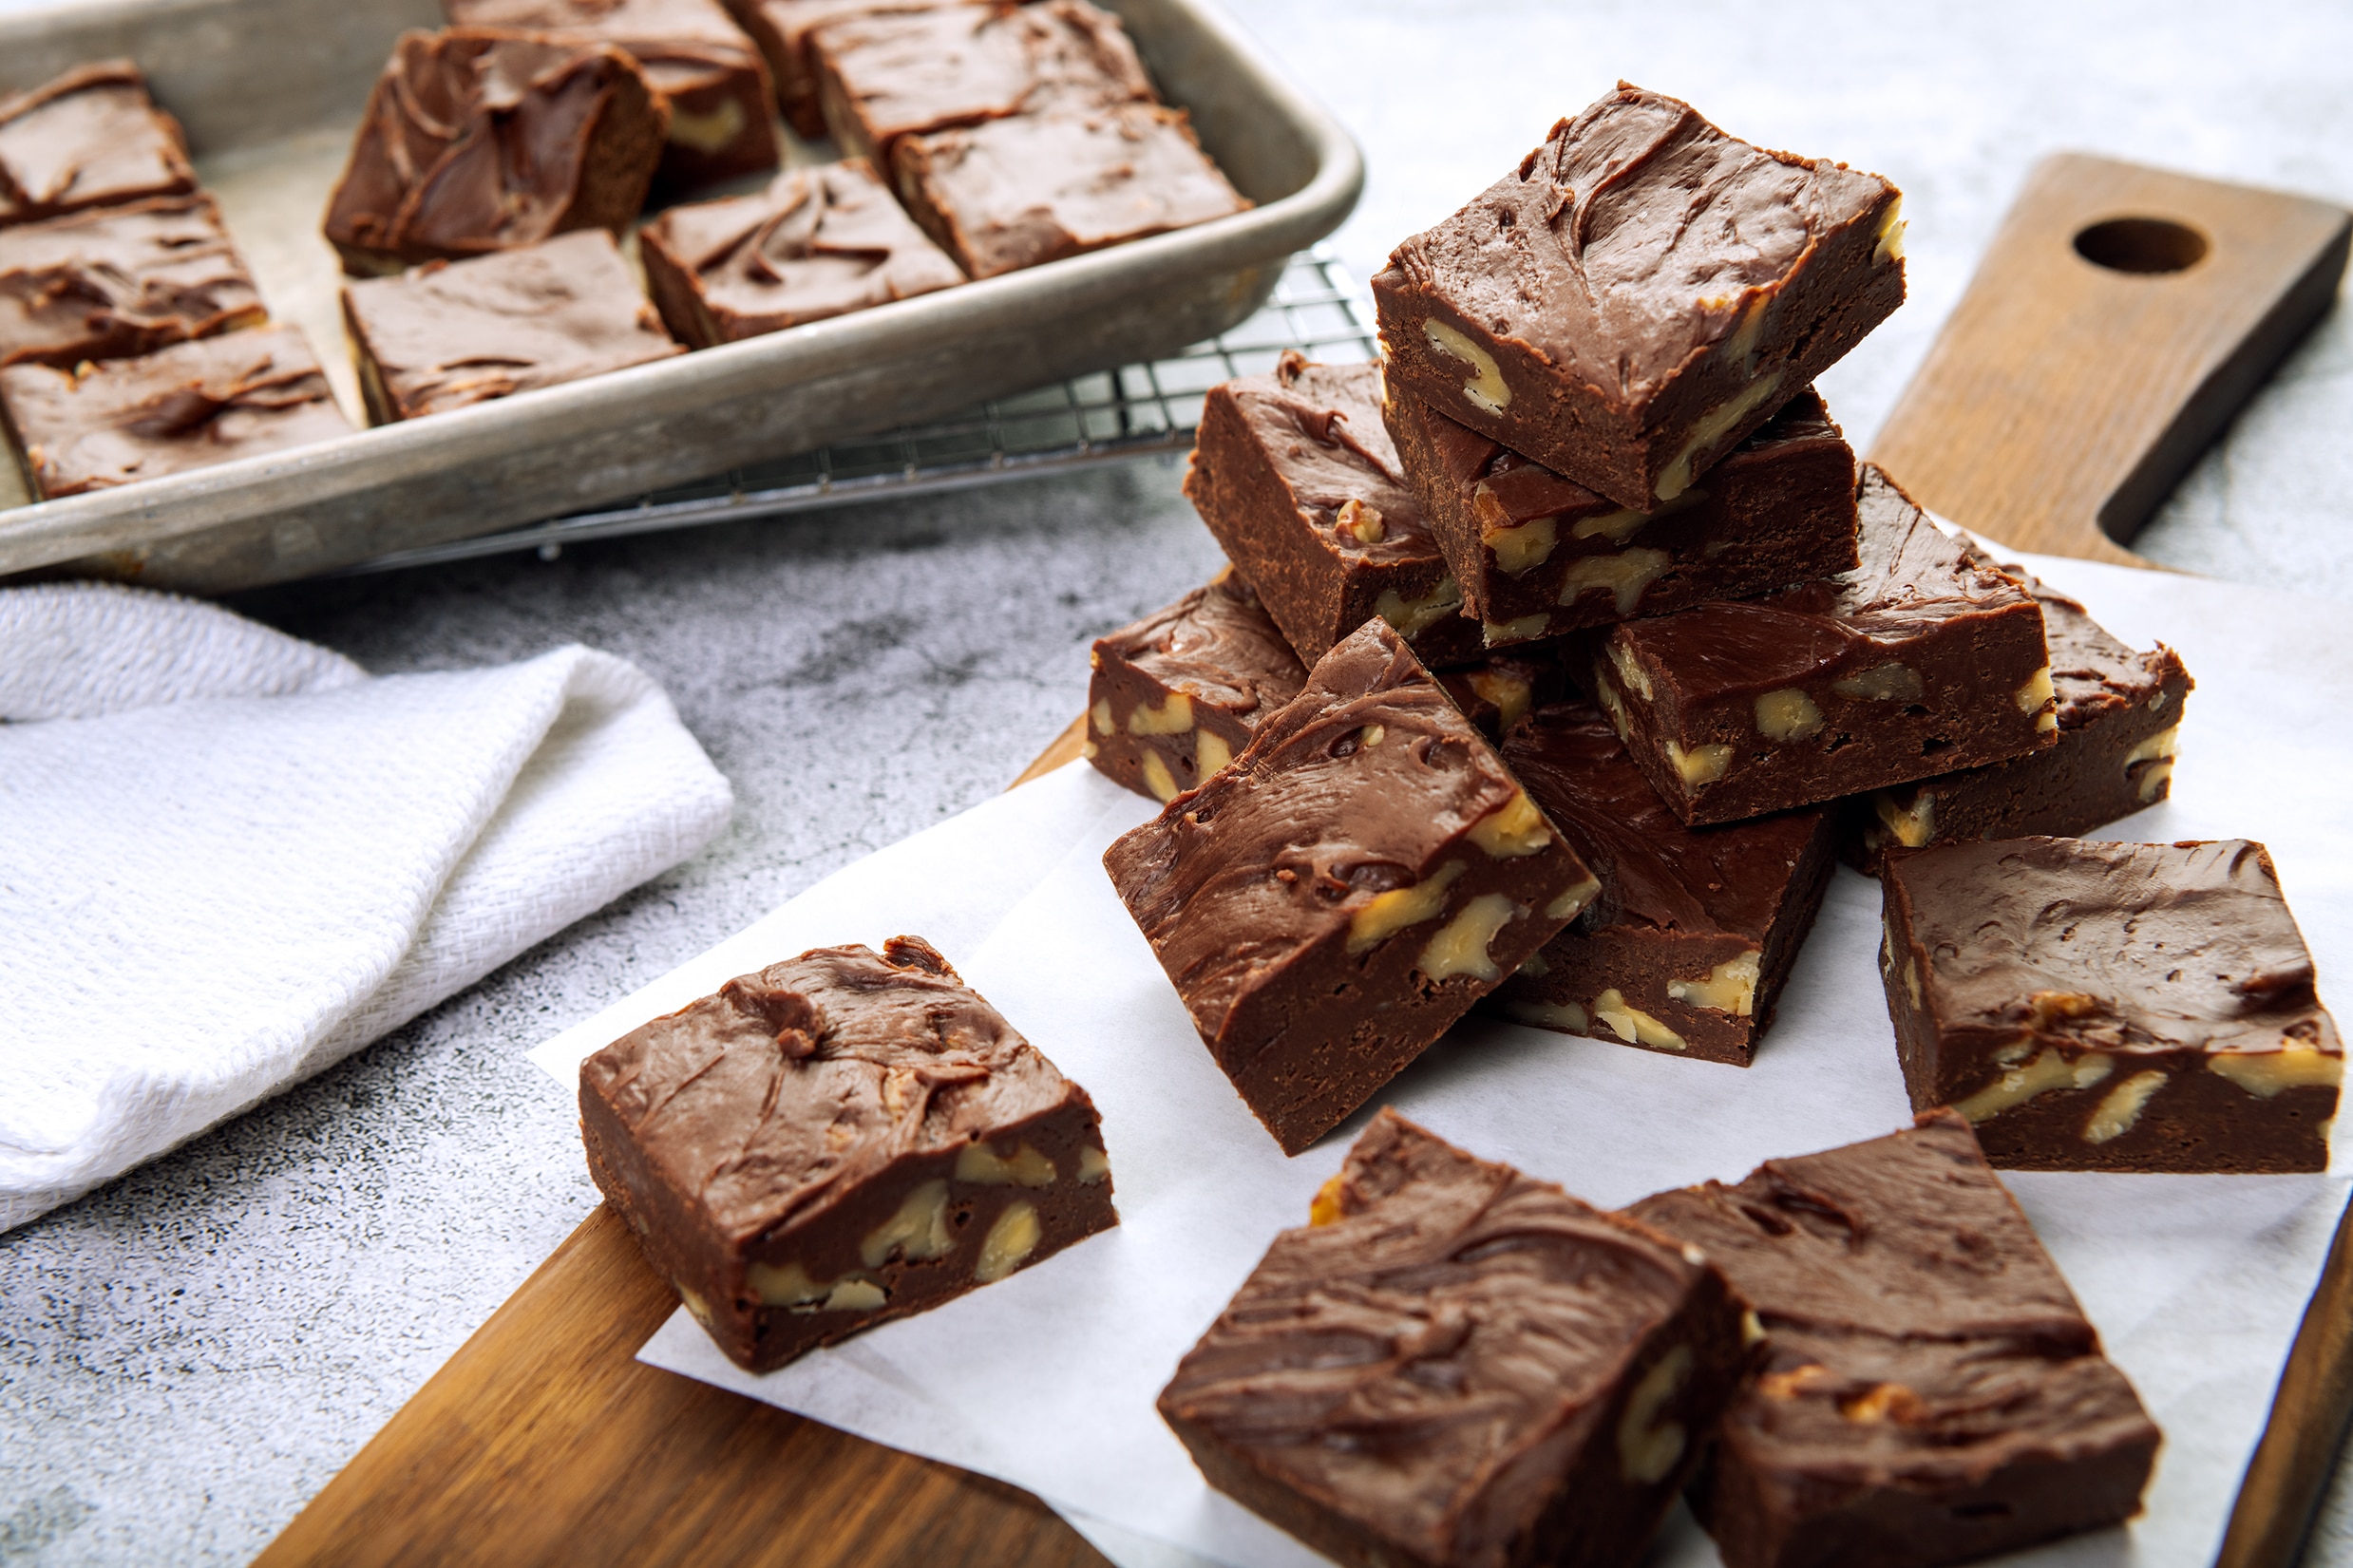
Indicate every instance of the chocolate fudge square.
{"type": "Point", "coordinates": [2120, 717]}
{"type": "Point", "coordinates": [1364, 872]}
{"type": "Point", "coordinates": [1296, 475]}
{"type": "Point", "coordinates": [1032, 188]}
{"type": "Point", "coordinates": [888, 73]}
{"type": "Point", "coordinates": [115, 282]}
{"type": "Point", "coordinates": [1176, 696]}
{"type": "Point", "coordinates": [1691, 938]}
{"type": "Point", "coordinates": [2095, 1006]}
{"type": "Point", "coordinates": [839, 1140]}
{"type": "Point", "coordinates": [91, 137]}
{"type": "Point", "coordinates": [1931, 1392]}
{"type": "Point", "coordinates": [1641, 293]}
{"type": "Point", "coordinates": [476, 140]}
{"type": "Point", "coordinates": [1539, 556]}
{"type": "Point", "coordinates": [782, 29]}
{"type": "Point", "coordinates": [1925, 659]}
{"type": "Point", "coordinates": [190, 405]}
{"type": "Point", "coordinates": [1453, 1363]}
{"type": "Point", "coordinates": [818, 242]}
{"type": "Point", "coordinates": [450, 334]}
{"type": "Point", "coordinates": [695, 57]}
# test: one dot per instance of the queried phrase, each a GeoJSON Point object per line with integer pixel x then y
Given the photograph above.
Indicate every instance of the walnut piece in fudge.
{"type": "Point", "coordinates": [1455, 1364]}
{"type": "Point", "coordinates": [2120, 716]}
{"type": "Point", "coordinates": [1032, 188]}
{"type": "Point", "coordinates": [114, 282]}
{"type": "Point", "coordinates": [886, 72]}
{"type": "Point", "coordinates": [839, 1140]}
{"type": "Point", "coordinates": [1539, 556]}
{"type": "Point", "coordinates": [1502, 688]}
{"type": "Point", "coordinates": [1687, 946]}
{"type": "Point", "coordinates": [2093, 1005]}
{"type": "Point", "coordinates": [695, 57]}
{"type": "Point", "coordinates": [476, 140]}
{"type": "Point", "coordinates": [1925, 658]}
{"type": "Point", "coordinates": [1931, 1392]}
{"type": "Point", "coordinates": [1639, 295]}
{"type": "Point", "coordinates": [818, 242]}
{"type": "Point", "coordinates": [91, 137]}
{"type": "Point", "coordinates": [1296, 475]}
{"type": "Point", "coordinates": [190, 405]}
{"type": "Point", "coordinates": [1177, 695]}
{"type": "Point", "coordinates": [1364, 872]}
{"type": "Point", "coordinates": [448, 335]}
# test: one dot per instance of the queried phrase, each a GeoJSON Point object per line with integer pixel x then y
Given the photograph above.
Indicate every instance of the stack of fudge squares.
{"type": "Point", "coordinates": [500, 165]}
{"type": "Point", "coordinates": [1591, 462]}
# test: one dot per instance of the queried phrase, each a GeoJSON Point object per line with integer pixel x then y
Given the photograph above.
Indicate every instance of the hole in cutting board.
{"type": "Point", "coordinates": [2141, 245]}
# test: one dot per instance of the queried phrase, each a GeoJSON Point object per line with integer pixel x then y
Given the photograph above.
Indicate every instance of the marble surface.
{"type": "Point", "coordinates": [188, 1354]}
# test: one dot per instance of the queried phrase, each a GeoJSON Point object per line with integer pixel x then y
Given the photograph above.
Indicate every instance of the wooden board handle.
{"type": "Point", "coordinates": [2119, 319]}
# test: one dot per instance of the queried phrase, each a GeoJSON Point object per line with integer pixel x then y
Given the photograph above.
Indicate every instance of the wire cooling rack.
{"type": "Point", "coordinates": [1112, 416]}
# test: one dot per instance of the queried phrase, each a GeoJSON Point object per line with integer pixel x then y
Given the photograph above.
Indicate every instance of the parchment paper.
{"type": "Point", "coordinates": [1046, 1379]}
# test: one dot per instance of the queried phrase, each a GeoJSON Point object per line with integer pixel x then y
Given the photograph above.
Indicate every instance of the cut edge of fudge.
{"type": "Point", "coordinates": [126, 304]}
{"type": "Point", "coordinates": [1589, 1461]}
{"type": "Point", "coordinates": [2185, 1034]}
{"type": "Point", "coordinates": [903, 1183]}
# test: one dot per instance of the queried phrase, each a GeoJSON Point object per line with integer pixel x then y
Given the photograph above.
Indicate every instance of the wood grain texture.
{"type": "Point", "coordinates": [2064, 399]}
{"type": "Point", "coordinates": [2289, 1474]}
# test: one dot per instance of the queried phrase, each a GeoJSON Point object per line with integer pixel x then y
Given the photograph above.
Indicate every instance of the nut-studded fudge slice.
{"type": "Point", "coordinates": [1455, 1364]}
{"type": "Point", "coordinates": [695, 57]}
{"type": "Point", "coordinates": [1364, 872]}
{"type": "Point", "coordinates": [116, 281]}
{"type": "Point", "coordinates": [1502, 688]}
{"type": "Point", "coordinates": [1178, 695]}
{"type": "Point", "coordinates": [2095, 1006]}
{"type": "Point", "coordinates": [476, 140]}
{"type": "Point", "coordinates": [1032, 188]}
{"type": "Point", "coordinates": [818, 242]}
{"type": "Point", "coordinates": [839, 1140]}
{"type": "Point", "coordinates": [1296, 475]}
{"type": "Point", "coordinates": [886, 73]}
{"type": "Point", "coordinates": [1925, 658]}
{"type": "Point", "coordinates": [1639, 295]}
{"type": "Point", "coordinates": [1539, 556]}
{"type": "Point", "coordinates": [2119, 713]}
{"type": "Point", "coordinates": [1931, 1392]}
{"type": "Point", "coordinates": [91, 137]}
{"type": "Point", "coordinates": [451, 333]}
{"type": "Point", "coordinates": [783, 28]}
{"type": "Point", "coordinates": [1688, 944]}
{"type": "Point", "coordinates": [190, 405]}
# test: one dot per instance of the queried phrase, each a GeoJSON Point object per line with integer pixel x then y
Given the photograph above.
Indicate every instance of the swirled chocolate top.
{"type": "Point", "coordinates": [1403, 1361]}
{"type": "Point", "coordinates": [1915, 579]}
{"type": "Point", "coordinates": [119, 282]}
{"type": "Point", "coordinates": [451, 333]}
{"type": "Point", "coordinates": [677, 41]}
{"type": "Point", "coordinates": [1216, 646]}
{"type": "Point", "coordinates": [186, 407]}
{"type": "Point", "coordinates": [478, 140]}
{"type": "Point", "coordinates": [1655, 871]}
{"type": "Point", "coordinates": [89, 137]}
{"type": "Point", "coordinates": [816, 243]}
{"type": "Point", "coordinates": [775, 1099]}
{"type": "Point", "coordinates": [1634, 238]}
{"type": "Point", "coordinates": [1321, 426]}
{"type": "Point", "coordinates": [2112, 947]}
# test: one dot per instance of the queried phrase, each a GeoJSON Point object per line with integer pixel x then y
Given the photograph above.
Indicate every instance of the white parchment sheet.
{"type": "Point", "coordinates": [1046, 1379]}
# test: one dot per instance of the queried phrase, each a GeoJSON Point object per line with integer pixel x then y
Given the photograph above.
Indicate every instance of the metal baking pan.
{"type": "Point", "coordinates": [269, 91]}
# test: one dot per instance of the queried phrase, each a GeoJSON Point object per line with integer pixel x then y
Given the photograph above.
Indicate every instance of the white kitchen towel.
{"type": "Point", "coordinates": [229, 858]}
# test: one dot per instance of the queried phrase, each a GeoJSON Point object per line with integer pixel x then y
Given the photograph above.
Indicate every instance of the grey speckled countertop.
{"type": "Point", "coordinates": [188, 1354]}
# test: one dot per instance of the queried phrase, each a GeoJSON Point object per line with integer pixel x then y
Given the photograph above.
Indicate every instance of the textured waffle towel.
{"type": "Point", "coordinates": [229, 858]}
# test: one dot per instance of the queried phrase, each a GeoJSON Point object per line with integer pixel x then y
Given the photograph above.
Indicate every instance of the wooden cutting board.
{"type": "Point", "coordinates": [2091, 361]}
